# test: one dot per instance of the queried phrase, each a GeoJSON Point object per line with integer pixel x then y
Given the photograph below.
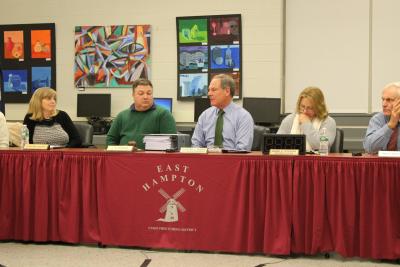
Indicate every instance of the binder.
{"type": "Point", "coordinates": [166, 142]}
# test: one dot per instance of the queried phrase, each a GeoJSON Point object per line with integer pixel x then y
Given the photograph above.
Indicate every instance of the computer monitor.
{"type": "Point", "coordinates": [265, 111]}
{"type": "Point", "coordinates": [164, 102]}
{"type": "Point", "coordinates": [94, 105]}
{"type": "Point", "coordinates": [200, 104]}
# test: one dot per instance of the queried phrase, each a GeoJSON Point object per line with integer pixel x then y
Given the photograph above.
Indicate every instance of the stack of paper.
{"type": "Point", "coordinates": [159, 142]}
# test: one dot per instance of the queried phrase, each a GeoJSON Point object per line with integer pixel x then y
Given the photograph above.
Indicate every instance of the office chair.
{"type": "Point", "coordinates": [85, 131]}
{"type": "Point", "coordinates": [337, 146]}
{"type": "Point", "coordinates": [2, 107]}
{"type": "Point", "coordinates": [258, 137]}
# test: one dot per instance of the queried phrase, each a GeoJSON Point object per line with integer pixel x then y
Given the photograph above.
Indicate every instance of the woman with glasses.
{"type": "Point", "coordinates": [310, 118]}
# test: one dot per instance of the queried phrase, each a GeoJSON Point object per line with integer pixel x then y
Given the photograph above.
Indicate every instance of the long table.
{"type": "Point", "coordinates": [216, 202]}
{"type": "Point", "coordinates": [347, 205]}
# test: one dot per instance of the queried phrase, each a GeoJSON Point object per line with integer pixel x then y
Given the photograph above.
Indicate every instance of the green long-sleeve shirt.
{"type": "Point", "coordinates": [131, 125]}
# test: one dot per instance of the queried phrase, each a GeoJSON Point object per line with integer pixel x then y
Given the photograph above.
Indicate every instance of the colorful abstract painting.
{"type": "Point", "coordinates": [41, 77]}
{"type": "Point", "coordinates": [41, 44]}
{"type": "Point", "coordinates": [111, 56]}
{"type": "Point", "coordinates": [14, 45]}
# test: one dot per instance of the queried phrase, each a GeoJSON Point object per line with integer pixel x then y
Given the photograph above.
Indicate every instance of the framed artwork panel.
{"type": "Point", "coordinates": [111, 56]}
{"type": "Point", "coordinates": [225, 29]}
{"type": "Point", "coordinates": [41, 77]}
{"type": "Point", "coordinates": [225, 57]}
{"type": "Point", "coordinates": [41, 44]}
{"type": "Point", "coordinates": [192, 30]}
{"type": "Point", "coordinates": [193, 84]}
{"type": "Point", "coordinates": [14, 45]}
{"type": "Point", "coordinates": [27, 60]}
{"type": "Point", "coordinates": [207, 45]}
{"type": "Point", "coordinates": [15, 81]}
{"type": "Point", "coordinates": [193, 58]}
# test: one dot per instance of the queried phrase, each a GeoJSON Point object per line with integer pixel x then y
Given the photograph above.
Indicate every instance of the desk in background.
{"type": "Point", "coordinates": [349, 205]}
{"type": "Point", "coordinates": [147, 199]}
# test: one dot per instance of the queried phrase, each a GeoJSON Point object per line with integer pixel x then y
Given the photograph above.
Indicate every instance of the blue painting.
{"type": "Point", "coordinates": [41, 77]}
{"type": "Point", "coordinates": [194, 84]}
{"type": "Point", "coordinates": [15, 81]}
{"type": "Point", "coordinates": [225, 57]}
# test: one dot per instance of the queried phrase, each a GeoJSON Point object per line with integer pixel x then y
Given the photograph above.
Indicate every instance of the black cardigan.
{"type": "Point", "coordinates": [63, 119]}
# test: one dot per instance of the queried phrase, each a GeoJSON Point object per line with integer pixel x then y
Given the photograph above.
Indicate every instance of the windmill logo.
{"type": "Point", "coordinates": [171, 206]}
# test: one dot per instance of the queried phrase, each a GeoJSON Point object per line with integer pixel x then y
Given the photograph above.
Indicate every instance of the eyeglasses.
{"type": "Point", "coordinates": [304, 108]}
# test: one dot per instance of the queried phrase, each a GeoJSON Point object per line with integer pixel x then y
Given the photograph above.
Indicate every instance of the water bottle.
{"type": "Point", "coordinates": [323, 143]}
{"type": "Point", "coordinates": [24, 136]}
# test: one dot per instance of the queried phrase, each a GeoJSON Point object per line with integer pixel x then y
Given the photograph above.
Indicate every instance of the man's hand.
{"type": "Point", "coordinates": [395, 115]}
{"type": "Point", "coordinates": [132, 143]}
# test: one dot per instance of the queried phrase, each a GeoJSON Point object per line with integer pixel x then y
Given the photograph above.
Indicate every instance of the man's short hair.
{"type": "Point", "coordinates": [226, 81]}
{"type": "Point", "coordinates": [141, 81]}
{"type": "Point", "coordinates": [393, 84]}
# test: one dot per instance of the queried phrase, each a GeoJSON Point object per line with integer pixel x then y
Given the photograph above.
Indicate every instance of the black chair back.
{"type": "Point", "coordinates": [258, 137]}
{"type": "Point", "coordinates": [337, 146]}
{"type": "Point", "coordinates": [85, 131]}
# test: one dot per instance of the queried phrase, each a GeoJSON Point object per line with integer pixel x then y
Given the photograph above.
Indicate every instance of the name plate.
{"type": "Point", "coordinates": [214, 150]}
{"type": "Point", "coordinates": [37, 146]}
{"type": "Point", "coordinates": [120, 148]}
{"type": "Point", "coordinates": [194, 150]}
{"type": "Point", "coordinates": [284, 152]}
{"type": "Point", "coordinates": [392, 154]}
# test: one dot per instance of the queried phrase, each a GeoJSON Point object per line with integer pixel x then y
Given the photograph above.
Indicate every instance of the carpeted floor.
{"type": "Point", "coordinates": [43, 255]}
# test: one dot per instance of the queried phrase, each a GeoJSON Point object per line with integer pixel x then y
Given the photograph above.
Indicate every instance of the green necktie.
{"type": "Point", "coordinates": [218, 129]}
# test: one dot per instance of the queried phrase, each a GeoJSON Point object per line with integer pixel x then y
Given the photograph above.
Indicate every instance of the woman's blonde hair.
{"type": "Point", "coordinates": [317, 97]}
{"type": "Point", "coordinates": [35, 104]}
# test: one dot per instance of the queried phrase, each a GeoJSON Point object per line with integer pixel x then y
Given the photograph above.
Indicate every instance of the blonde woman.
{"type": "Point", "coordinates": [310, 118]}
{"type": "Point", "coordinates": [46, 124]}
{"type": "Point", "coordinates": [3, 131]}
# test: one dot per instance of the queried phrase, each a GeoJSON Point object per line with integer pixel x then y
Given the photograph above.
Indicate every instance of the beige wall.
{"type": "Point", "coordinates": [261, 35]}
{"type": "Point", "coordinates": [347, 48]}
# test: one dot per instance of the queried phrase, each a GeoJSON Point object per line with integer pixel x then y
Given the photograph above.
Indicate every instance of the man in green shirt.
{"type": "Point", "coordinates": [142, 117]}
